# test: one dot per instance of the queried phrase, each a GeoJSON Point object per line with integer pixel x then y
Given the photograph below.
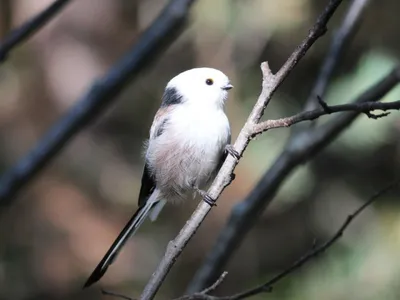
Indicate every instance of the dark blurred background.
{"type": "Point", "coordinates": [61, 225]}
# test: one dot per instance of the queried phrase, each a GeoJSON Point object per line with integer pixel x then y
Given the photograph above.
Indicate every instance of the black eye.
{"type": "Point", "coordinates": [209, 81]}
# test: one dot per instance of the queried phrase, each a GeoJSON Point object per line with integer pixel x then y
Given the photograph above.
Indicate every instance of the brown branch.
{"type": "Point", "coordinates": [270, 83]}
{"type": "Point", "coordinates": [365, 108]}
{"type": "Point", "coordinates": [313, 253]}
{"type": "Point", "coordinates": [17, 36]}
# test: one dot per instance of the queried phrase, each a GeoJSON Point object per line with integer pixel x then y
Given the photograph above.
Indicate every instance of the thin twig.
{"type": "Point", "coordinates": [313, 253]}
{"type": "Point", "coordinates": [366, 108]}
{"type": "Point", "coordinates": [270, 83]}
{"type": "Point", "coordinates": [116, 295]}
{"type": "Point", "coordinates": [23, 32]}
{"type": "Point", "coordinates": [216, 284]}
{"type": "Point", "coordinates": [205, 294]}
{"type": "Point", "coordinates": [161, 33]}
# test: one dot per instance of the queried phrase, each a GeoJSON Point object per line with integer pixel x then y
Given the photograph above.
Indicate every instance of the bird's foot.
{"type": "Point", "coordinates": [206, 197]}
{"type": "Point", "coordinates": [229, 148]}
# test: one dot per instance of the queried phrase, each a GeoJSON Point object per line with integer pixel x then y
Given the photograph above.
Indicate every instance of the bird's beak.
{"type": "Point", "coordinates": [227, 87]}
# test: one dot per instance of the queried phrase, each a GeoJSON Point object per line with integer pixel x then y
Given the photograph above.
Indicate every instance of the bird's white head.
{"type": "Point", "coordinates": [201, 86]}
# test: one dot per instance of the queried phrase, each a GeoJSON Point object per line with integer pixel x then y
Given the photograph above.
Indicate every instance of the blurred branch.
{"type": "Point", "coordinates": [18, 35]}
{"type": "Point", "coordinates": [313, 253]}
{"type": "Point", "coordinates": [299, 149]}
{"type": "Point", "coordinates": [269, 85]}
{"type": "Point", "coordinates": [325, 109]}
{"type": "Point", "coordinates": [161, 33]}
{"type": "Point", "coordinates": [340, 40]}
{"type": "Point", "coordinates": [116, 295]}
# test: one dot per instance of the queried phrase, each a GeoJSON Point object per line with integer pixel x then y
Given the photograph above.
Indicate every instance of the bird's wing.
{"type": "Point", "coordinates": [157, 129]}
{"type": "Point", "coordinates": [148, 186]}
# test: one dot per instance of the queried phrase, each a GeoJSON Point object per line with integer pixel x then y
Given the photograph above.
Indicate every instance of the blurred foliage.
{"type": "Point", "coordinates": [62, 224]}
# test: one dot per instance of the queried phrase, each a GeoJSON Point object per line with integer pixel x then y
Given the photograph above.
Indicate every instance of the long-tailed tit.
{"type": "Point", "coordinates": [189, 139]}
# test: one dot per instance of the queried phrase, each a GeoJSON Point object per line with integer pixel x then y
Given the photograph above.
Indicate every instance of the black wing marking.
{"type": "Point", "coordinates": [171, 97]}
{"type": "Point", "coordinates": [148, 186]}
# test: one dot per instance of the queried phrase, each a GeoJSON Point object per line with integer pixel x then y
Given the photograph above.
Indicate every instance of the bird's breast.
{"type": "Point", "coordinates": [190, 148]}
{"type": "Point", "coordinates": [201, 127]}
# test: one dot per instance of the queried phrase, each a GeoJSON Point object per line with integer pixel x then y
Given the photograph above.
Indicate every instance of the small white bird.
{"type": "Point", "coordinates": [189, 139]}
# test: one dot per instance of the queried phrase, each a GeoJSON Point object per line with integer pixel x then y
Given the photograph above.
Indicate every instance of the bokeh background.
{"type": "Point", "coordinates": [61, 225]}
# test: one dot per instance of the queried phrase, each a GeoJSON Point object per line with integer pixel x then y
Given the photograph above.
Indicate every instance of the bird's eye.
{"type": "Point", "coordinates": [209, 81]}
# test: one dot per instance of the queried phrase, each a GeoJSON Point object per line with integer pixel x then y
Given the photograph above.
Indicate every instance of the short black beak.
{"type": "Point", "coordinates": [227, 87]}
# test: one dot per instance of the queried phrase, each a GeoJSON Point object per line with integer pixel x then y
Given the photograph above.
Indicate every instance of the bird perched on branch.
{"type": "Point", "coordinates": [189, 139]}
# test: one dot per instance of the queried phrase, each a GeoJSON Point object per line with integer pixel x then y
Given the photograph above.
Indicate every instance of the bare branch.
{"type": "Point", "coordinates": [20, 34]}
{"type": "Point", "coordinates": [161, 33]}
{"type": "Point", "coordinates": [366, 108]}
{"type": "Point", "coordinates": [340, 41]}
{"type": "Point", "coordinates": [270, 84]}
{"type": "Point", "coordinates": [215, 284]}
{"type": "Point", "coordinates": [313, 253]}
{"type": "Point", "coordinates": [299, 149]}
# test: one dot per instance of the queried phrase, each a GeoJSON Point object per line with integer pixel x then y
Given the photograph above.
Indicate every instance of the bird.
{"type": "Point", "coordinates": [189, 140]}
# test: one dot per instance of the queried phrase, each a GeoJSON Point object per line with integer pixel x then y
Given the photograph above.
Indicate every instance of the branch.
{"type": "Point", "coordinates": [18, 35]}
{"type": "Point", "coordinates": [267, 287]}
{"type": "Point", "coordinates": [299, 149]}
{"type": "Point", "coordinates": [270, 83]}
{"type": "Point", "coordinates": [365, 108]}
{"type": "Point", "coordinates": [340, 41]}
{"type": "Point", "coordinates": [161, 33]}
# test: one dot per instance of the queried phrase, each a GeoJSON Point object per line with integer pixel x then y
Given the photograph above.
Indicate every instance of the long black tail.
{"type": "Point", "coordinates": [129, 229]}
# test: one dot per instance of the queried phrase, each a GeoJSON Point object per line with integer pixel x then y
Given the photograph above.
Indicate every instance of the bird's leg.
{"type": "Point", "coordinates": [206, 197]}
{"type": "Point", "coordinates": [229, 149]}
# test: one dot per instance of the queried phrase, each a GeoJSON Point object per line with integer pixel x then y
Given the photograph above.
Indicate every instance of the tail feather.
{"type": "Point", "coordinates": [156, 210]}
{"type": "Point", "coordinates": [130, 228]}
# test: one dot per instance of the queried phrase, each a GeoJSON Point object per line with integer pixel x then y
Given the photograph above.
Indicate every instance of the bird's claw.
{"type": "Point", "coordinates": [232, 151]}
{"type": "Point", "coordinates": [206, 197]}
